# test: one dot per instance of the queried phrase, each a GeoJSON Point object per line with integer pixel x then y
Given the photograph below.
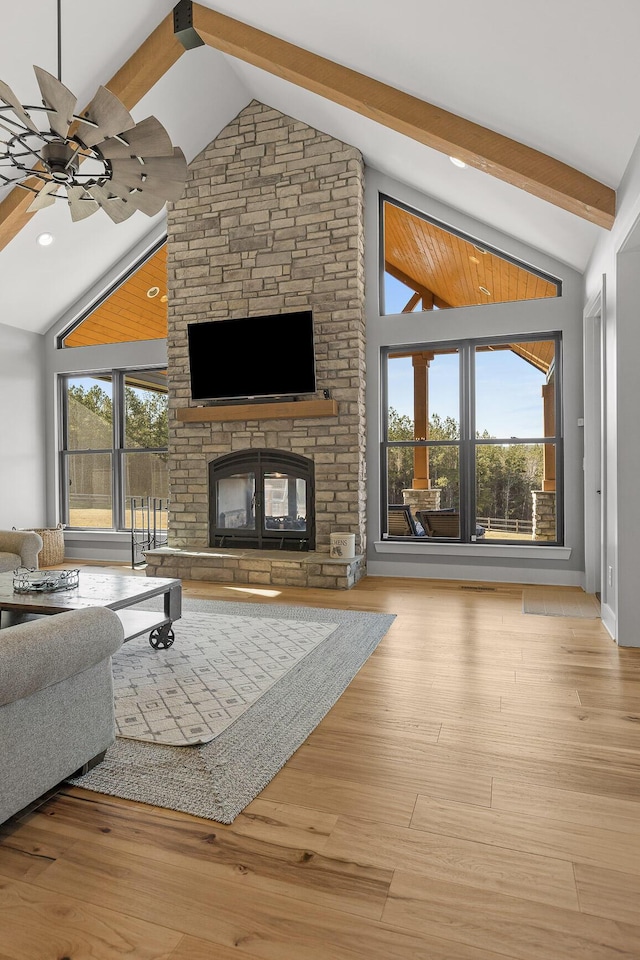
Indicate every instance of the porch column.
{"type": "Point", "coordinates": [549, 423]}
{"type": "Point", "coordinates": [421, 496]}
{"type": "Point", "coordinates": [421, 419]}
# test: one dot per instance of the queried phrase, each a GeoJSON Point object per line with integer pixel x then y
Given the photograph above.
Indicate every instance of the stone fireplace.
{"type": "Point", "coordinates": [262, 499]}
{"type": "Point", "coordinates": [271, 222]}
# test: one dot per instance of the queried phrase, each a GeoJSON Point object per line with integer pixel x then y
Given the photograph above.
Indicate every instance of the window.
{"type": "Point", "coordinates": [471, 449]}
{"type": "Point", "coordinates": [428, 266]}
{"type": "Point", "coordinates": [115, 438]}
{"type": "Point", "coordinates": [135, 309]}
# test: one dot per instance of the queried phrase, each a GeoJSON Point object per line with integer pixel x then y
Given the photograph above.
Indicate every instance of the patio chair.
{"type": "Point", "coordinates": [440, 523]}
{"type": "Point", "coordinates": [401, 522]}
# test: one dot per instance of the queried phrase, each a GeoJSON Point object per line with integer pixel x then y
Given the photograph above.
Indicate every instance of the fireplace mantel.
{"type": "Point", "coordinates": [280, 410]}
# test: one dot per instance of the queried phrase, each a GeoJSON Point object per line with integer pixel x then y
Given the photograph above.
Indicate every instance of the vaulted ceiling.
{"type": "Point", "coordinates": [524, 73]}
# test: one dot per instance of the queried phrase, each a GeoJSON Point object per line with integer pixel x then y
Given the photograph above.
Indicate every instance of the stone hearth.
{"type": "Point", "coordinates": [271, 222]}
{"type": "Point", "coordinates": [279, 568]}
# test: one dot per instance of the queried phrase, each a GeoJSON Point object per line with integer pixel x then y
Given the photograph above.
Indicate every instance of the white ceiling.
{"type": "Point", "coordinates": [560, 75]}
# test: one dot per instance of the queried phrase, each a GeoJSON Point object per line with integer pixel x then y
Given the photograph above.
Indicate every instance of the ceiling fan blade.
{"type": "Point", "coordinates": [147, 139]}
{"type": "Point", "coordinates": [45, 197]}
{"type": "Point", "coordinates": [109, 115]}
{"type": "Point", "coordinates": [80, 205]}
{"type": "Point", "coordinates": [59, 101]}
{"type": "Point", "coordinates": [165, 168]}
{"type": "Point", "coordinates": [8, 96]}
{"type": "Point", "coordinates": [115, 207]}
{"type": "Point", "coordinates": [151, 186]}
{"type": "Point", "coordinates": [147, 203]}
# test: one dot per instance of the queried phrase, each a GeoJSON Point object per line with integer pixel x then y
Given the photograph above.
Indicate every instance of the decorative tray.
{"type": "Point", "coordinates": [41, 581]}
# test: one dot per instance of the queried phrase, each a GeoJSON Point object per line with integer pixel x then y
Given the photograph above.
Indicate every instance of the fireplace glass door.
{"type": "Point", "coordinates": [236, 502]}
{"type": "Point", "coordinates": [262, 499]}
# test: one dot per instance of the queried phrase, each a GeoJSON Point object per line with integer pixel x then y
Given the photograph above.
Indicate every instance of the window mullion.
{"type": "Point", "coordinates": [467, 431]}
{"type": "Point", "coordinates": [118, 443]}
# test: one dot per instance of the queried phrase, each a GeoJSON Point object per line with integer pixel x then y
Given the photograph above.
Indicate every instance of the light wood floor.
{"type": "Point", "coordinates": [474, 795]}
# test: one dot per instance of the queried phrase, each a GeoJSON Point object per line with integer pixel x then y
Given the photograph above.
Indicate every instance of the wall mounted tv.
{"type": "Point", "coordinates": [267, 356]}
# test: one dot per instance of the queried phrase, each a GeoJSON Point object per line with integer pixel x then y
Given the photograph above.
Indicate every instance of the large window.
{"type": "Point", "coordinates": [114, 445]}
{"type": "Point", "coordinates": [472, 447]}
{"type": "Point", "coordinates": [429, 266]}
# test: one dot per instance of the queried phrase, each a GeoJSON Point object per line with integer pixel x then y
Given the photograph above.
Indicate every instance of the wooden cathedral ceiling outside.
{"type": "Point", "coordinates": [128, 313]}
{"type": "Point", "coordinates": [479, 147]}
{"type": "Point", "coordinates": [438, 264]}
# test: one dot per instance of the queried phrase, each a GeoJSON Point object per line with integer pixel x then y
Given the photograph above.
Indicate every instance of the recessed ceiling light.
{"type": "Point", "coordinates": [45, 239]}
{"type": "Point", "coordinates": [474, 260]}
{"type": "Point", "coordinates": [153, 292]}
{"type": "Point", "coordinates": [164, 298]}
{"type": "Point", "coordinates": [485, 291]}
{"type": "Point", "coordinates": [456, 162]}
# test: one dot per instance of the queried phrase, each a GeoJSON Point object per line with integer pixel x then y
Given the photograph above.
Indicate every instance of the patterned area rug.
{"type": "Point", "coordinates": [216, 780]}
{"type": "Point", "coordinates": [218, 666]}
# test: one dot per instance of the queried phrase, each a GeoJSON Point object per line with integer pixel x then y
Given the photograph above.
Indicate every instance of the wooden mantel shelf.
{"type": "Point", "coordinates": [285, 410]}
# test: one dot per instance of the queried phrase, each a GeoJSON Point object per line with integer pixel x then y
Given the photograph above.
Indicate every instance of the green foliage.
{"type": "Point", "coordinates": [505, 475]}
{"type": "Point", "coordinates": [91, 416]}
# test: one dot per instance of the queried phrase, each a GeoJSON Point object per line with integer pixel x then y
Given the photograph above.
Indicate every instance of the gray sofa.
{"type": "Point", "coordinates": [56, 701]}
{"type": "Point", "coordinates": [19, 548]}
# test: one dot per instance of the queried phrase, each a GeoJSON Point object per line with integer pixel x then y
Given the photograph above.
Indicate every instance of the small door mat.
{"type": "Point", "coordinates": [549, 602]}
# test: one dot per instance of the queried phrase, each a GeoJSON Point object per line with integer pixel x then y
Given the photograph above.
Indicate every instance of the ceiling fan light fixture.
{"type": "Point", "coordinates": [72, 160]}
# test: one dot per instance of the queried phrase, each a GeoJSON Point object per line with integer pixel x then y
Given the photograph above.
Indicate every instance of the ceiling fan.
{"type": "Point", "coordinates": [99, 158]}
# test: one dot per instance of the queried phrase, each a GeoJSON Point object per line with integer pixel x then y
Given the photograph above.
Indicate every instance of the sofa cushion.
{"type": "Point", "coordinates": [9, 561]}
{"type": "Point", "coordinates": [48, 650]}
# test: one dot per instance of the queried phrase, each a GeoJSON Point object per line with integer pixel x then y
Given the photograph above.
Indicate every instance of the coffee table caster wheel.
{"type": "Point", "coordinates": [161, 637]}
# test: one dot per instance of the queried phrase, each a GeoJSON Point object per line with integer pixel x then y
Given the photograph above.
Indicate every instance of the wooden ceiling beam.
{"type": "Point", "coordinates": [506, 159]}
{"type": "Point", "coordinates": [142, 70]}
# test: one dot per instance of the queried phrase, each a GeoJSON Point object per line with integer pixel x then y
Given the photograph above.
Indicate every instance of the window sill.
{"type": "Point", "coordinates": [505, 551]}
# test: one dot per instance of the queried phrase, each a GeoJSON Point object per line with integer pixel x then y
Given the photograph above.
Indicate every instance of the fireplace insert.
{"type": "Point", "coordinates": [262, 499]}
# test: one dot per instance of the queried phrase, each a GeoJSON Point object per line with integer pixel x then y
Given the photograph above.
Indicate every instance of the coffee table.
{"type": "Point", "coordinates": [121, 594]}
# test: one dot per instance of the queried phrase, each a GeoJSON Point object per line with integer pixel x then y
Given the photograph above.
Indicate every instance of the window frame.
{"type": "Point", "coordinates": [117, 451]}
{"type": "Point", "coordinates": [467, 443]}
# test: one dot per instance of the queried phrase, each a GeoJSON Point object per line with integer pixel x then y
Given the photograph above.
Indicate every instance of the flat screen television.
{"type": "Point", "coordinates": [267, 356]}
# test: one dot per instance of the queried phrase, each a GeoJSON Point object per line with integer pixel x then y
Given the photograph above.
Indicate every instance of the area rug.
{"type": "Point", "coordinates": [216, 780]}
{"type": "Point", "coordinates": [218, 666]}
{"type": "Point", "coordinates": [550, 602]}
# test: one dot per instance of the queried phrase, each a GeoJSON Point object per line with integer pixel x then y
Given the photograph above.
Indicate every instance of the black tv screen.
{"type": "Point", "coordinates": [268, 356]}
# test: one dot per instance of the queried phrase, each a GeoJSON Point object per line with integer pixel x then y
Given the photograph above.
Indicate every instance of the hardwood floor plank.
{"type": "Point", "coordinates": [442, 778]}
{"type": "Point", "coordinates": [587, 809]}
{"type": "Point", "coordinates": [608, 893]}
{"type": "Point", "coordinates": [192, 948]}
{"type": "Point", "coordinates": [514, 927]}
{"type": "Point", "coordinates": [269, 926]}
{"type": "Point", "coordinates": [511, 831]}
{"type": "Point", "coordinates": [41, 924]}
{"type": "Point", "coordinates": [386, 804]}
{"type": "Point", "coordinates": [443, 856]}
{"type": "Point", "coordinates": [213, 853]}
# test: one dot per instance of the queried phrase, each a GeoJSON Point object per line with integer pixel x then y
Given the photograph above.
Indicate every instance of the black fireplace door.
{"type": "Point", "coordinates": [262, 499]}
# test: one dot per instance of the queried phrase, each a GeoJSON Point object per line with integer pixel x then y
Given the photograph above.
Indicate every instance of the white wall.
{"type": "Point", "coordinates": [615, 264]}
{"type": "Point", "coordinates": [22, 429]}
{"type": "Point", "coordinates": [519, 564]}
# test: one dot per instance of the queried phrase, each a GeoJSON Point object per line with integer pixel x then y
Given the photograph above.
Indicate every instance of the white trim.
{"type": "Point", "coordinates": [478, 551]}
{"type": "Point", "coordinates": [608, 618]}
{"type": "Point", "coordinates": [593, 439]}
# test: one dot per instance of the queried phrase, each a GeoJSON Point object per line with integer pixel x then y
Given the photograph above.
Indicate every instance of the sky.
{"type": "Point", "coordinates": [508, 389]}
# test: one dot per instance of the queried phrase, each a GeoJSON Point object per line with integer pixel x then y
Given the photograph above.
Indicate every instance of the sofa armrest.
{"type": "Point", "coordinates": [42, 652]}
{"type": "Point", "coordinates": [26, 543]}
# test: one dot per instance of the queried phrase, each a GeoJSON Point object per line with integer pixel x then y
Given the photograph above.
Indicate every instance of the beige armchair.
{"type": "Point", "coordinates": [19, 548]}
